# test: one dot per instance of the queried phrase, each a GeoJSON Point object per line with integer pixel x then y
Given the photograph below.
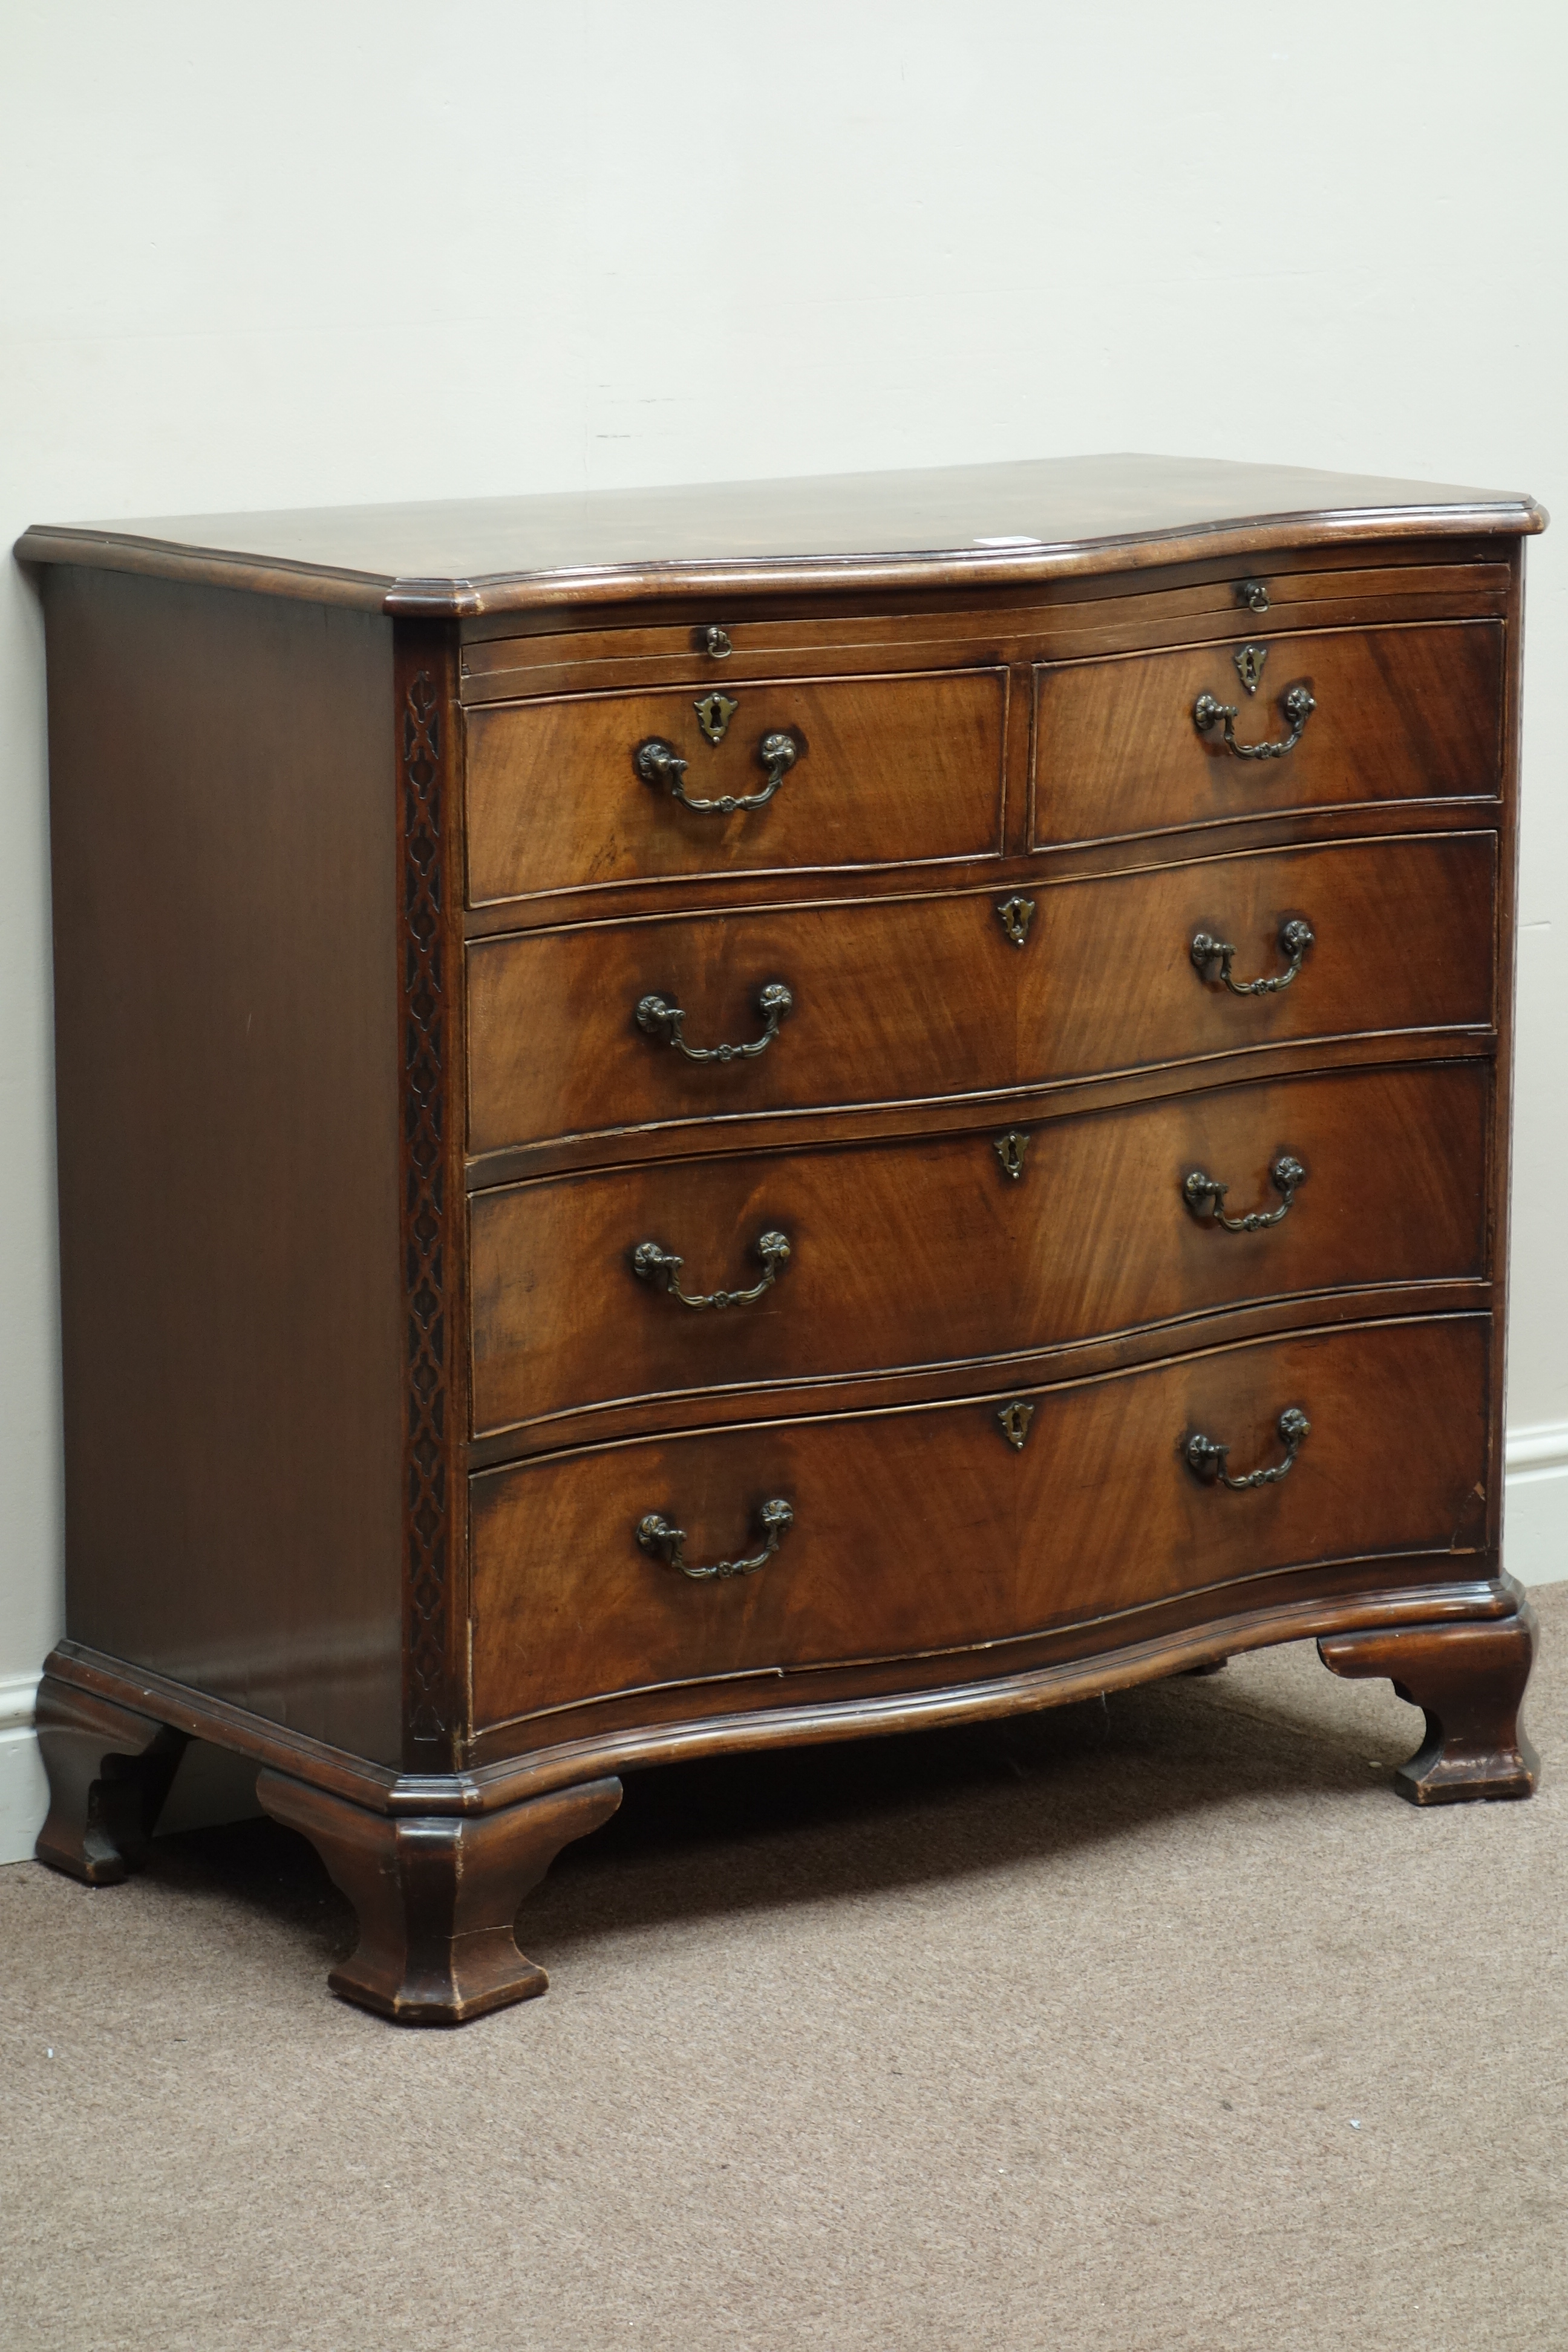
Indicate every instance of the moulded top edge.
{"type": "Point", "coordinates": [965, 528]}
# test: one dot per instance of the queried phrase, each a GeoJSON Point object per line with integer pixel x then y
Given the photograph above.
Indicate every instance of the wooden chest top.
{"type": "Point", "coordinates": [979, 525]}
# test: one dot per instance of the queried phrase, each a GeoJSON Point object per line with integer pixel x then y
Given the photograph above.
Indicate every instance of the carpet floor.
{"type": "Point", "coordinates": [1153, 2025]}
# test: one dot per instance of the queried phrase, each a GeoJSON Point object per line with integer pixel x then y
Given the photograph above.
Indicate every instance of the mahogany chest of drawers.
{"type": "Point", "coordinates": [709, 1118]}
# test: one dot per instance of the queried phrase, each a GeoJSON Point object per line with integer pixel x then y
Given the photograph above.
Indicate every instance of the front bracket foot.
{"type": "Point", "coordinates": [1469, 1678]}
{"type": "Point", "coordinates": [436, 1895]}
{"type": "Point", "coordinates": [109, 1771]}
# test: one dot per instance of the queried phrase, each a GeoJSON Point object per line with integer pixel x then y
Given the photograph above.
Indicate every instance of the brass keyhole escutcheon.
{"type": "Point", "coordinates": [1015, 915]}
{"type": "Point", "coordinates": [1010, 1149]}
{"type": "Point", "coordinates": [1250, 661]}
{"type": "Point", "coordinates": [714, 713]}
{"type": "Point", "coordinates": [1014, 1420]}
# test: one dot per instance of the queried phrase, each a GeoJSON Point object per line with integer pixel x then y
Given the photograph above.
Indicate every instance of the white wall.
{"type": "Point", "coordinates": [367, 249]}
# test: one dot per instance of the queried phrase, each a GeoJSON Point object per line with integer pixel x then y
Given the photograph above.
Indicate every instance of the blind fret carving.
{"type": "Point", "coordinates": [427, 1514]}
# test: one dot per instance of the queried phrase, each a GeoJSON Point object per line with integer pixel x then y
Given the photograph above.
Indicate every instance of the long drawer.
{"type": "Point", "coordinates": [839, 772]}
{"type": "Point", "coordinates": [927, 1530]}
{"type": "Point", "coordinates": [931, 1252]}
{"type": "Point", "coordinates": [904, 1000]}
{"type": "Point", "coordinates": [1408, 713]}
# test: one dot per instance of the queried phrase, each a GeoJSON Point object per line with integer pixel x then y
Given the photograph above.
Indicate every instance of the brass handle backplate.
{"type": "Point", "coordinates": [659, 1536]}
{"type": "Point", "coordinates": [656, 1017]}
{"type": "Point", "coordinates": [1296, 702]}
{"type": "Point", "coordinates": [657, 1265]}
{"type": "Point", "coordinates": [658, 762]}
{"type": "Point", "coordinates": [1208, 1459]}
{"type": "Point", "coordinates": [1295, 937]}
{"type": "Point", "coordinates": [1205, 1195]}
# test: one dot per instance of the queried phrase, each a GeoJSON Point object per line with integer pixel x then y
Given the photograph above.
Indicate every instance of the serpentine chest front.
{"type": "Point", "coordinates": [683, 1126]}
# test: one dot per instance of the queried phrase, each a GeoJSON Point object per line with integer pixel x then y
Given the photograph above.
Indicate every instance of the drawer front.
{"type": "Point", "coordinates": [1399, 714]}
{"type": "Point", "coordinates": [903, 1000]}
{"type": "Point", "coordinates": [916, 1531]}
{"type": "Point", "coordinates": [879, 772]}
{"type": "Point", "coordinates": [903, 1254]}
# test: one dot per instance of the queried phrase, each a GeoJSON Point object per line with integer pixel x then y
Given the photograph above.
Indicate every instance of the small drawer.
{"type": "Point", "coordinates": [931, 1253]}
{"type": "Point", "coordinates": [815, 773]}
{"type": "Point", "coordinates": [932, 1531]}
{"type": "Point", "coordinates": [1411, 713]}
{"type": "Point", "coordinates": [574, 1031]}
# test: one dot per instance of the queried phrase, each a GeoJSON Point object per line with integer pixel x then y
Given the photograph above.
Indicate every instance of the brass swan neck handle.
{"type": "Point", "coordinates": [658, 762]}
{"type": "Point", "coordinates": [1296, 702]}
{"type": "Point", "coordinates": [1295, 937]}
{"type": "Point", "coordinates": [653, 1263]}
{"type": "Point", "coordinates": [660, 1016]}
{"type": "Point", "coordinates": [1205, 1195]}
{"type": "Point", "coordinates": [1208, 1459]}
{"type": "Point", "coordinates": [659, 1536]}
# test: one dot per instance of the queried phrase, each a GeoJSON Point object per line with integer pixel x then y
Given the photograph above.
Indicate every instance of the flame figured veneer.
{"type": "Point", "coordinates": [667, 1147]}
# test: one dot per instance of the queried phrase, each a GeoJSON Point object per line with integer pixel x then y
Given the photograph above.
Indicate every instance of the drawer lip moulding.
{"type": "Point", "coordinates": [1405, 714]}
{"type": "Point", "coordinates": [940, 1528]}
{"type": "Point", "coordinates": [564, 1324]}
{"type": "Point", "coordinates": [904, 1000]}
{"type": "Point", "coordinates": [603, 791]}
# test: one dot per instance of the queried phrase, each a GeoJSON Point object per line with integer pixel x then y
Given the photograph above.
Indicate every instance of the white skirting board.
{"type": "Point", "coordinates": [1535, 1504]}
{"type": "Point", "coordinates": [212, 1788]}
{"type": "Point", "coordinates": [24, 1794]}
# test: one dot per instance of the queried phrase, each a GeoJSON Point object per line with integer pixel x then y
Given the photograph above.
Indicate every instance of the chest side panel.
{"type": "Point", "coordinates": [224, 899]}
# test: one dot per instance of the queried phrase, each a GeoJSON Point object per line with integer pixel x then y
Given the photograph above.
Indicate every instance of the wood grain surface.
{"type": "Point", "coordinates": [352, 915]}
{"type": "Point", "coordinates": [226, 1036]}
{"type": "Point", "coordinates": [1405, 713]}
{"type": "Point", "coordinates": [919, 1531]}
{"type": "Point", "coordinates": [1469, 1680]}
{"type": "Point", "coordinates": [815, 1705]}
{"type": "Point", "coordinates": [435, 1899]}
{"type": "Point", "coordinates": [888, 770]}
{"type": "Point", "coordinates": [926, 1253]}
{"type": "Point", "coordinates": [969, 525]}
{"type": "Point", "coordinates": [906, 1000]}
{"type": "Point", "coordinates": [531, 654]}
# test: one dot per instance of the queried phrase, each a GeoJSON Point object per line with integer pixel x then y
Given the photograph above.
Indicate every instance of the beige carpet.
{"type": "Point", "coordinates": [1136, 2027]}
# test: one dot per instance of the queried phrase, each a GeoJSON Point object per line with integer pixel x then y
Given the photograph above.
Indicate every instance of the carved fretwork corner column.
{"type": "Point", "coordinates": [1468, 1679]}
{"type": "Point", "coordinates": [432, 1199]}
